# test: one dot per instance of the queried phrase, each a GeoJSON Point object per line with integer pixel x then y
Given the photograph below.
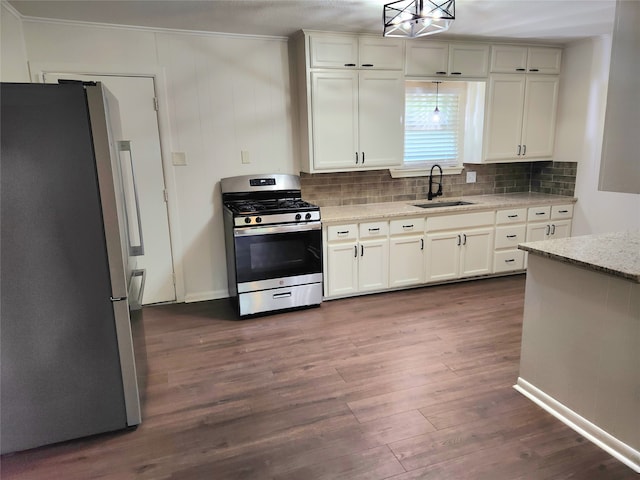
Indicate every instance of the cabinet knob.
{"type": "Point", "coordinates": [534, 70]}
{"type": "Point", "coordinates": [524, 150]}
{"type": "Point", "coordinates": [441, 73]}
{"type": "Point", "coordinates": [363, 158]}
{"type": "Point", "coordinates": [521, 69]}
{"type": "Point", "coordinates": [367, 64]}
{"type": "Point", "coordinates": [456, 73]}
{"type": "Point", "coordinates": [349, 64]}
{"type": "Point", "coordinates": [519, 149]}
{"type": "Point", "coordinates": [356, 158]}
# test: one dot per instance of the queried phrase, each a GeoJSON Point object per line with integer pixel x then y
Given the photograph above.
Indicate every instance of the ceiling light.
{"type": "Point", "coordinates": [417, 18]}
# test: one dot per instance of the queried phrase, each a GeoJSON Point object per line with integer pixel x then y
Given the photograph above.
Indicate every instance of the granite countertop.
{"type": "Point", "coordinates": [613, 253]}
{"type": "Point", "coordinates": [353, 213]}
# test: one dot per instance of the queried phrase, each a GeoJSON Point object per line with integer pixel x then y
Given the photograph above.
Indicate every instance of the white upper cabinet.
{"type": "Point", "coordinates": [349, 51]}
{"type": "Point", "coordinates": [520, 118]}
{"type": "Point", "coordinates": [428, 59]}
{"type": "Point", "coordinates": [520, 59]}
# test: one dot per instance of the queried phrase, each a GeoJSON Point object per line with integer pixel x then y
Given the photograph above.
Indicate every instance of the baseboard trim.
{"type": "Point", "coordinates": [620, 450]}
{"type": "Point", "coordinates": [204, 296]}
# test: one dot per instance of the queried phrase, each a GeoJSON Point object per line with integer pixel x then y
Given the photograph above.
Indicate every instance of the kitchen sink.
{"type": "Point", "coordinates": [443, 204]}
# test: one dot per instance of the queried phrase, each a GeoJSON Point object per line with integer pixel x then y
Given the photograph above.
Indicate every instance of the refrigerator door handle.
{"type": "Point", "coordinates": [131, 203]}
{"type": "Point", "coordinates": [117, 299]}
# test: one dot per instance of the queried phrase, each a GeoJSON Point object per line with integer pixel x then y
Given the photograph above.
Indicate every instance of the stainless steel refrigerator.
{"type": "Point", "coordinates": [69, 239]}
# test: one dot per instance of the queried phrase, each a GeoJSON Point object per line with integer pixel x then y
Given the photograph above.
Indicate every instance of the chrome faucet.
{"type": "Point", "coordinates": [431, 195]}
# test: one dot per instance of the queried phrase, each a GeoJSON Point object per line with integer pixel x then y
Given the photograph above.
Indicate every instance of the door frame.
{"type": "Point", "coordinates": [39, 69]}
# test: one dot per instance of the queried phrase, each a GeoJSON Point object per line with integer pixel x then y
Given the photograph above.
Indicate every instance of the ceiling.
{"type": "Point", "coordinates": [557, 21]}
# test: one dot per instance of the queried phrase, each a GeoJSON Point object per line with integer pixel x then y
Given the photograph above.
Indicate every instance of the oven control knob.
{"type": "Point", "coordinates": [247, 220]}
{"type": "Point", "coordinates": [298, 216]}
{"type": "Point", "coordinates": [308, 216]}
{"type": "Point", "coordinates": [258, 220]}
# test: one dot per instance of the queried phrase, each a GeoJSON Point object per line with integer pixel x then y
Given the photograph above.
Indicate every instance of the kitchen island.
{"type": "Point", "coordinates": [580, 357]}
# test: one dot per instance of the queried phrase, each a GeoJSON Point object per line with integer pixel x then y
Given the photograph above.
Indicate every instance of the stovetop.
{"type": "Point", "coordinates": [270, 206]}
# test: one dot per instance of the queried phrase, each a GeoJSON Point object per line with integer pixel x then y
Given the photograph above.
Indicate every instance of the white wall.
{"type": "Point", "coordinates": [581, 112]}
{"type": "Point", "coordinates": [13, 55]}
{"type": "Point", "coordinates": [219, 95]}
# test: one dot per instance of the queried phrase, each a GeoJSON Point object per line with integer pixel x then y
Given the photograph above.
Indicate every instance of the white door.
{"type": "Point", "coordinates": [443, 256]}
{"type": "Point", "coordinates": [342, 269]}
{"type": "Point", "coordinates": [373, 265]}
{"type": "Point", "coordinates": [406, 261]}
{"type": "Point", "coordinates": [140, 125]}
{"type": "Point", "coordinates": [539, 121]}
{"type": "Point", "coordinates": [477, 252]}
{"type": "Point", "coordinates": [503, 124]}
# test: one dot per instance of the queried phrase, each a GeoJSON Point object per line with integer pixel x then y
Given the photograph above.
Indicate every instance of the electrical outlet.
{"type": "Point", "coordinates": [471, 177]}
{"type": "Point", "coordinates": [244, 154]}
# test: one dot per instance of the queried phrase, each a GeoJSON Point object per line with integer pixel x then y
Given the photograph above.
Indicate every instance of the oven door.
{"type": "Point", "coordinates": [278, 255]}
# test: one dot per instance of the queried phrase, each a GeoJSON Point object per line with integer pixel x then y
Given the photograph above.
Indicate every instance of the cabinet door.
{"type": "Point", "coordinates": [381, 111]}
{"type": "Point", "coordinates": [476, 256]}
{"type": "Point", "coordinates": [342, 269]}
{"type": "Point", "coordinates": [443, 256]}
{"type": "Point", "coordinates": [373, 265]}
{"type": "Point", "coordinates": [539, 121]}
{"type": "Point", "coordinates": [544, 60]}
{"type": "Point", "coordinates": [333, 51]}
{"type": "Point", "coordinates": [426, 59]}
{"type": "Point", "coordinates": [538, 231]}
{"type": "Point", "coordinates": [406, 260]}
{"type": "Point", "coordinates": [560, 229]}
{"type": "Point", "coordinates": [468, 60]}
{"type": "Point", "coordinates": [381, 53]}
{"type": "Point", "coordinates": [508, 59]}
{"type": "Point", "coordinates": [334, 100]}
{"type": "Point", "coordinates": [503, 123]}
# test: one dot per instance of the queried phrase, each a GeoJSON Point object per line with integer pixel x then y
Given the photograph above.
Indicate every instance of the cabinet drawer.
{"type": "Point", "coordinates": [539, 213]}
{"type": "Point", "coordinates": [508, 260]}
{"type": "Point", "coordinates": [460, 221]}
{"type": "Point", "coordinates": [342, 232]}
{"type": "Point", "coordinates": [516, 215]}
{"type": "Point", "coordinates": [374, 229]}
{"type": "Point", "coordinates": [510, 236]}
{"type": "Point", "coordinates": [407, 225]}
{"type": "Point", "coordinates": [561, 211]}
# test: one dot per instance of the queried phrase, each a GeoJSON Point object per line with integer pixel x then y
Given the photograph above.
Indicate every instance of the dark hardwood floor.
{"type": "Point", "coordinates": [407, 385]}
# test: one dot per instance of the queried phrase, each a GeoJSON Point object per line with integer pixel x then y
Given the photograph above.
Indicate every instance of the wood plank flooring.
{"type": "Point", "coordinates": [406, 385]}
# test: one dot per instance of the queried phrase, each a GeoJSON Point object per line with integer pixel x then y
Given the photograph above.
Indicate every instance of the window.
{"type": "Point", "coordinates": [452, 139]}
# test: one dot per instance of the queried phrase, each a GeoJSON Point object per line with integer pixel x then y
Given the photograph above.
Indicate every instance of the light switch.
{"type": "Point", "coordinates": [245, 156]}
{"type": "Point", "coordinates": [471, 177]}
{"type": "Point", "coordinates": [179, 158]}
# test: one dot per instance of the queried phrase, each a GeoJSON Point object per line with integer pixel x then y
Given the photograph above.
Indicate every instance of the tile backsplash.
{"type": "Point", "coordinates": [375, 186]}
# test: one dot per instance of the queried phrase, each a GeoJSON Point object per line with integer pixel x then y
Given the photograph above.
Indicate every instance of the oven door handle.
{"type": "Point", "coordinates": [266, 230]}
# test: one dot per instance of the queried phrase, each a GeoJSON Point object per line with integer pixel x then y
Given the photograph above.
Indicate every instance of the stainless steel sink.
{"type": "Point", "coordinates": [443, 204]}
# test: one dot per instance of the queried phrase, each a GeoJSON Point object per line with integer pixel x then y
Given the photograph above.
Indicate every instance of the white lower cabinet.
{"type": "Point", "coordinates": [511, 229]}
{"type": "Point", "coordinates": [464, 250]}
{"type": "Point", "coordinates": [357, 258]}
{"type": "Point", "coordinates": [406, 252]}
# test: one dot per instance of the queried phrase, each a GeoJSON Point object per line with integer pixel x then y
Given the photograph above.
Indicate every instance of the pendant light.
{"type": "Point", "coordinates": [435, 117]}
{"type": "Point", "coordinates": [417, 18]}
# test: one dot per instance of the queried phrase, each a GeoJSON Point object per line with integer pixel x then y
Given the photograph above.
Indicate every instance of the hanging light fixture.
{"type": "Point", "coordinates": [435, 117]}
{"type": "Point", "coordinates": [417, 18]}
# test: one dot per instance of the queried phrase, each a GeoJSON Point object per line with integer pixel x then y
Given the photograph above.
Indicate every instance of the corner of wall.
{"type": "Point", "coordinates": [13, 52]}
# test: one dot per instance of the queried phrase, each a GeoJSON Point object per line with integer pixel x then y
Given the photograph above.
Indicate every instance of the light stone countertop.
{"type": "Point", "coordinates": [617, 253]}
{"type": "Point", "coordinates": [369, 211]}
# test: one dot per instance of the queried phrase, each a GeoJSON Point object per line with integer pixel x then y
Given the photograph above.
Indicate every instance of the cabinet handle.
{"type": "Point", "coordinates": [459, 240]}
{"type": "Point", "coordinates": [563, 211]}
{"type": "Point", "coordinates": [407, 226]}
{"type": "Point", "coordinates": [346, 232]}
{"type": "Point", "coordinates": [441, 73]}
{"type": "Point", "coordinates": [512, 216]}
{"type": "Point", "coordinates": [510, 260]}
{"type": "Point", "coordinates": [524, 150]}
{"type": "Point", "coordinates": [521, 69]}
{"type": "Point", "coordinates": [422, 244]}
{"type": "Point", "coordinates": [362, 250]}
{"type": "Point", "coordinates": [363, 158]}
{"type": "Point", "coordinates": [548, 230]}
{"type": "Point", "coordinates": [456, 73]}
{"type": "Point", "coordinates": [534, 70]}
{"type": "Point", "coordinates": [464, 235]}
{"type": "Point", "coordinates": [374, 229]}
{"type": "Point", "coordinates": [553, 229]}
{"type": "Point", "coordinates": [519, 148]}
{"type": "Point", "coordinates": [540, 213]}
{"type": "Point", "coordinates": [356, 158]}
{"type": "Point", "coordinates": [367, 64]}
{"type": "Point", "coordinates": [349, 64]}
{"type": "Point", "coordinates": [355, 252]}
{"type": "Point", "coordinates": [511, 236]}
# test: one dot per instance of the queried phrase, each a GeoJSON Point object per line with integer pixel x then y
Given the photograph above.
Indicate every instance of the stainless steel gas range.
{"type": "Point", "coordinates": [273, 242]}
